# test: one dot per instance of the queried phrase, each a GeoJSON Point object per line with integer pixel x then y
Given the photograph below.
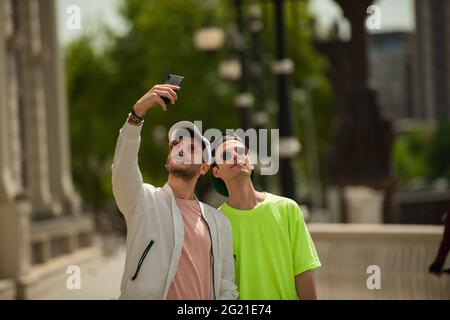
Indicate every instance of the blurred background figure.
{"type": "Point", "coordinates": [444, 247]}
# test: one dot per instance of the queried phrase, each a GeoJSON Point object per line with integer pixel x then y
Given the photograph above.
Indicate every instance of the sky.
{"type": "Point", "coordinates": [94, 13]}
{"type": "Point", "coordinates": [396, 15]}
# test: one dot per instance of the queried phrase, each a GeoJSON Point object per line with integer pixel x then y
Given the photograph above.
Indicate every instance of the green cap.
{"type": "Point", "coordinates": [220, 186]}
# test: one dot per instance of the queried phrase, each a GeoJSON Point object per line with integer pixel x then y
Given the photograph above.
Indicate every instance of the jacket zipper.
{"type": "Point", "coordinates": [212, 254]}
{"type": "Point", "coordinates": [141, 260]}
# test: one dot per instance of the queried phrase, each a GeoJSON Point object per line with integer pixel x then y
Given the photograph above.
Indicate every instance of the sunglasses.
{"type": "Point", "coordinates": [228, 155]}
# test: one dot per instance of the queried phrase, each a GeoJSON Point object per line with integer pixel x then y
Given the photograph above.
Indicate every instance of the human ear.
{"type": "Point", "coordinates": [215, 172]}
{"type": "Point", "coordinates": [204, 169]}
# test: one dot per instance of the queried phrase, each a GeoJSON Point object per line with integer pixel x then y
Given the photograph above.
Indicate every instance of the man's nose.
{"type": "Point", "coordinates": [238, 159]}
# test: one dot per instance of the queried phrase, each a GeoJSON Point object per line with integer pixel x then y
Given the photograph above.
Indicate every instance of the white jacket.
{"type": "Point", "coordinates": [155, 230]}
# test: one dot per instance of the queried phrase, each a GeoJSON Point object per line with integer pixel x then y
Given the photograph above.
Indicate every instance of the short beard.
{"type": "Point", "coordinates": [184, 173]}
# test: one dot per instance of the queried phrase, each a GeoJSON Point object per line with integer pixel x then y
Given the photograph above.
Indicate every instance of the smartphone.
{"type": "Point", "coordinates": [175, 80]}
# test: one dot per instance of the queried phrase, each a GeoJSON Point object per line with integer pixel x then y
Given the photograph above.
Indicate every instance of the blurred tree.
{"type": "Point", "coordinates": [103, 84]}
{"type": "Point", "coordinates": [89, 79]}
{"type": "Point", "coordinates": [423, 154]}
{"type": "Point", "coordinates": [438, 157]}
{"type": "Point", "coordinates": [410, 155]}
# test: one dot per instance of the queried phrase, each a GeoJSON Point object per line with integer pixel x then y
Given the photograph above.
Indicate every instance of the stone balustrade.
{"type": "Point", "coordinates": [402, 252]}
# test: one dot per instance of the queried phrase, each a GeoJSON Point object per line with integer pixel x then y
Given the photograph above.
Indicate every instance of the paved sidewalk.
{"type": "Point", "coordinates": [99, 280]}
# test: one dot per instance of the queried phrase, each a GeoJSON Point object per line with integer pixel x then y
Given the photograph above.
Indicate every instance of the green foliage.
{"type": "Point", "coordinates": [104, 83]}
{"type": "Point", "coordinates": [410, 154]}
{"type": "Point", "coordinates": [423, 154]}
{"type": "Point", "coordinates": [90, 125]}
{"type": "Point", "coordinates": [439, 153]}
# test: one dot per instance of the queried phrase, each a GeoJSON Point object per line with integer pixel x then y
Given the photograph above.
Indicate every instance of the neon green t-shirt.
{"type": "Point", "coordinates": [271, 246]}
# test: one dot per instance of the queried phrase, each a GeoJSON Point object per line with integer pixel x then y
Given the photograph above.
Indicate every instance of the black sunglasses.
{"type": "Point", "coordinates": [227, 155]}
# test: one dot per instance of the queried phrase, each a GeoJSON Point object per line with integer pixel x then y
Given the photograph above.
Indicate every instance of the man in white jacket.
{"type": "Point", "coordinates": [177, 247]}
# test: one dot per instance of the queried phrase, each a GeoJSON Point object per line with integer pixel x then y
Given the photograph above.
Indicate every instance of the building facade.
{"type": "Point", "coordinates": [42, 227]}
{"type": "Point", "coordinates": [433, 51]}
{"type": "Point", "coordinates": [392, 74]}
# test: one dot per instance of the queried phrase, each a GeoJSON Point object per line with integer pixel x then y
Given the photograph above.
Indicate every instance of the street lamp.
{"type": "Point", "coordinates": [244, 100]}
{"type": "Point", "coordinates": [304, 96]}
{"type": "Point", "coordinates": [282, 69]}
{"type": "Point", "coordinates": [209, 38]}
{"type": "Point", "coordinates": [230, 69]}
{"type": "Point", "coordinates": [260, 117]}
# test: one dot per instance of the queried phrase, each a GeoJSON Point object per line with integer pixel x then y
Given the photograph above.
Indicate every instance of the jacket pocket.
{"type": "Point", "coordinates": [141, 260]}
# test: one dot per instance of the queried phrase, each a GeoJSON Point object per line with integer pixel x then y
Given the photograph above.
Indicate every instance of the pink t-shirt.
{"type": "Point", "coordinates": [193, 278]}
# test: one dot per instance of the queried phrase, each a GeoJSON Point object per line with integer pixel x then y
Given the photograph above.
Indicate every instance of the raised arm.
{"type": "Point", "coordinates": [127, 184]}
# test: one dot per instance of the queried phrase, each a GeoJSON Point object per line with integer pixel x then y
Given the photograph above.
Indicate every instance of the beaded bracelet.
{"type": "Point", "coordinates": [135, 119]}
{"type": "Point", "coordinates": [134, 114]}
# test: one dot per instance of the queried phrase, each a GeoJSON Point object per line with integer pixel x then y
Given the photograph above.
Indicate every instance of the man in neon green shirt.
{"type": "Point", "coordinates": [274, 253]}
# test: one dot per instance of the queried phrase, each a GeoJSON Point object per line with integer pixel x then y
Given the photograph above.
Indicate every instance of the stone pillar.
{"type": "Point", "coordinates": [35, 179]}
{"type": "Point", "coordinates": [363, 137]}
{"type": "Point", "coordinates": [10, 169]}
{"type": "Point", "coordinates": [356, 12]}
{"type": "Point", "coordinates": [14, 207]}
{"type": "Point", "coordinates": [61, 185]}
{"type": "Point", "coordinates": [35, 112]}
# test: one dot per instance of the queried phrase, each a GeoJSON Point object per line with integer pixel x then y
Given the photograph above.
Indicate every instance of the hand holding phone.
{"type": "Point", "coordinates": [162, 94]}
{"type": "Point", "coordinates": [175, 80]}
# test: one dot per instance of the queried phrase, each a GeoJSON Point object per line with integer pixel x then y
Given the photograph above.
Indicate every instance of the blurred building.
{"type": "Point", "coordinates": [410, 71]}
{"type": "Point", "coordinates": [433, 52]}
{"type": "Point", "coordinates": [42, 228]}
{"type": "Point", "coordinates": [393, 74]}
